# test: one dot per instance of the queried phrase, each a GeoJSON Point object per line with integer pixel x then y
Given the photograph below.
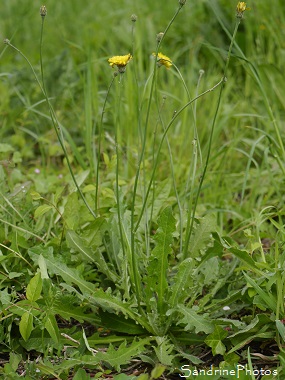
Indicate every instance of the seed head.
{"type": "Point", "coordinates": [182, 2]}
{"type": "Point", "coordinates": [43, 11]}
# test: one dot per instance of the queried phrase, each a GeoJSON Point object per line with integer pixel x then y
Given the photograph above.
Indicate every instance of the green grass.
{"type": "Point", "coordinates": [141, 223]}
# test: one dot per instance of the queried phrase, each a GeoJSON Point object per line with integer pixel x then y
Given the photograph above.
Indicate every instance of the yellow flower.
{"type": "Point", "coordinates": [120, 61]}
{"type": "Point", "coordinates": [241, 7]}
{"type": "Point", "coordinates": [163, 60]}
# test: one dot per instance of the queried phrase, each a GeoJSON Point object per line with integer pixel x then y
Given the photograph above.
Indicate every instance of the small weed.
{"type": "Point", "coordinates": [141, 204]}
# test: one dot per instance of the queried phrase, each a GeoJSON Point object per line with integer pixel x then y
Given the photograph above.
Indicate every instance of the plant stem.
{"type": "Point", "coordinates": [192, 215]}
{"type": "Point", "coordinates": [161, 142]}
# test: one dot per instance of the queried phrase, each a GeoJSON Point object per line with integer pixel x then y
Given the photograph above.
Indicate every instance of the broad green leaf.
{"type": "Point", "coordinates": [81, 375]}
{"type": "Point", "coordinates": [15, 360]}
{"type": "Point", "coordinates": [143, 376]}
{"type": "Point", "coordinates": [52, 328]}
{"type": "Point", "coordinates": [214, 340]}
{"type": "Point", "coordinates": [156, 281]}
{"type": "Point", "coordinates": [5, 148]}
{"type": "Point", "coordinates": [123, 376]}
{"type": "Point", "coordinates": [194, 321]}
{"type": "Point", "coordinates": [43, 267]}
{"type": "Point", "coordinates": [41, 210]}
{"type": "Point", "coordinates": [26, 325]}
{"type": "Point", "coordinates": [34, 288]}
{"type": "Point", "coordinates": [35, 195]}
{"type": "Point", "coordinates": [157, 371]}
{"type": "Point", "coordinates": [5, 297]}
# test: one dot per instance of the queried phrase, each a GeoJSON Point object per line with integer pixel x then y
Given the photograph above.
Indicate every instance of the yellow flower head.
{"type": "Point", "coordinates": [163, 60]}
{"type": "Point", "coordinates": [120, 61]}
{"type": "Point", "coordinates": [241, 7]}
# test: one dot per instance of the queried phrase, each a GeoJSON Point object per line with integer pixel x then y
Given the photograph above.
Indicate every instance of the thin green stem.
{"type": "Point", "coordinates": [57, 127]}
{"type": "Point", "coordinates": [161, 143]}
{"type": "Point", "coordinates": [192, 214]}
{"type": "Point", "coordinates": [256, 76]}
{"type": "Point", "coordinates": [100, 143]}
{"type": "Point", "coordinates": [53, 117]}
{"type": "Point", "coordinates": [140, 161]}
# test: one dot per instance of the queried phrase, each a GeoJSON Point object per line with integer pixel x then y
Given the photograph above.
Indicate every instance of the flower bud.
{"type": "Point", "coordinates": [43, 11]}
{"type": "Point", "coordinates": [159, 37]}
{"type": "Point", "coordinates": [134, 18]}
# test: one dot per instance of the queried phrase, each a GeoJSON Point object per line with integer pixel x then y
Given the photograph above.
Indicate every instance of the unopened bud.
{"type": "Point", "coordinates": [43, 11]}
{"type": "Point", "coordinates": [159, 37]}
{"type": "Point", "coordinates": [134, 18]}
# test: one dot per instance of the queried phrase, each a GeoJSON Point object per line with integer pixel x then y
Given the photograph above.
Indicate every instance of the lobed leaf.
{"type": "Point", "coordinates": [123, 354]}
{"type": "Point", "coordinates": [194, 321]}
{"type": "Point", "coordinates": [214, 340]}
{"type": "Point", "coordinates": [156, 281]}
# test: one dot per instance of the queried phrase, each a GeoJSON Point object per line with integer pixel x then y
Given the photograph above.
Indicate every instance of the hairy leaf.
{"type": "Point", "coordinates": [182, 282]}
{"type": "Point", "coordinates": [120, 323]}
{"type": "Point", "coordinates": [79, 245]}
{"type": "Point", "coordinates": [123, 354]}
{"type": "Point", "coordinates": [202, 234]}
{"type": "Point", "coordinates": [194, 321]}
{"type": "Point", "coordinates": [156, 281]}
{"type": "Point", "coordinates": [52, 328]}
{"type": "Point", "coordinates": [163, 351]}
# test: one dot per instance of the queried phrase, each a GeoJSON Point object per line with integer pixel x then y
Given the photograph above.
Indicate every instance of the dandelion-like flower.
{"type": "Point", "coordinates": [241, 7]}
{"type": "Point", "coordinates": [163, 60]}
{"type": "Point", "coordinates": [120, 61]}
